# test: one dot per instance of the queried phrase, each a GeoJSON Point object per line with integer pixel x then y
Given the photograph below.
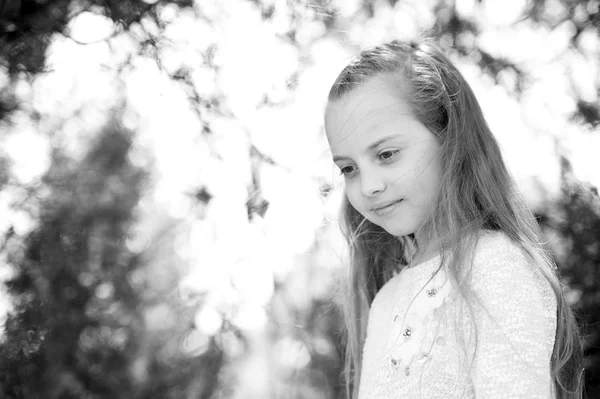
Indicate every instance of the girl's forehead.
{"type": "Point", "coordinates": [375, 96]}
{"type": "Point", "coordinates": [375, 102]}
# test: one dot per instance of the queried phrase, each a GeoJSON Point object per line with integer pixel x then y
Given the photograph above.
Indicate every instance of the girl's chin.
{"type": "Point", "coordinates": [394, 229]}
{"type": "Point", "coordinates": [398, 234]}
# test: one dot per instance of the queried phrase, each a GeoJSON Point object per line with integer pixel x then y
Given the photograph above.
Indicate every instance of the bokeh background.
{"type": "Point", "coordinates": [168, 208]}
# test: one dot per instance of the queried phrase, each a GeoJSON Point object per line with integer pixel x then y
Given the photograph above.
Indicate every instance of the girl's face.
{"type": "Point", "coordinates": [390, 161]}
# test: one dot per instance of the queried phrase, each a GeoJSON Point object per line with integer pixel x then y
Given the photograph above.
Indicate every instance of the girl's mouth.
{"type": "Point", "coordinates": [386, 209]}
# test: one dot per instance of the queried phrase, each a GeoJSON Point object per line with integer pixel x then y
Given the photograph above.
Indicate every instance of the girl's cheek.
{"type": "Point", "coordinates": [350, 186]}
{"type": "Point", "coordinates": [352, 197]}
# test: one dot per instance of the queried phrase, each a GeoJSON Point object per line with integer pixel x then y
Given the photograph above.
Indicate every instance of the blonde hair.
{"type": "Point", "coordinates": [477, 193]}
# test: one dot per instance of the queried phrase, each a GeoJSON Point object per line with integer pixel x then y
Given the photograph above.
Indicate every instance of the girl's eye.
{"type": "Point", "coordinates": [387, 155]}
{"type": "Point", "coordinates": [346, 170]}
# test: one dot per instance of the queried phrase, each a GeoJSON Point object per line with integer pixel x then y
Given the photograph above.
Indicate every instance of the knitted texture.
{"type": "Point", "coordinates": [421, 340]}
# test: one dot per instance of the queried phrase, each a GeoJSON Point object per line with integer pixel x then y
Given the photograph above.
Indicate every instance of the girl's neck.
{"type": "Point", "coordinates": [426, 249]}
{"type": "Point", "coordinates": [422, 257]}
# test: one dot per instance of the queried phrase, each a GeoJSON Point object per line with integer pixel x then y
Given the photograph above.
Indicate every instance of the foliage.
{"type": "Point", "coordinates": [28, 25]}
{"type": "Point", "coordinates": [78, 327]}
{"type": "Point", "coordinates": [575, 219]}
{"type": "Point", "coordinates": [71, 288]}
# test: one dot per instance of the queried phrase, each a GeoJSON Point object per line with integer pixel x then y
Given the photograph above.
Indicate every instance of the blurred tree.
{"type": "Point", "coordinates": [580, 16]}
{"type": "Point", "coordinates": [27, 26]}
{"type": "Point", "coordinates": [574, 224]}
{"type": "Point", "coordinates": [76, 319]}
{"type": "Point", "coordinates": [78, 328]}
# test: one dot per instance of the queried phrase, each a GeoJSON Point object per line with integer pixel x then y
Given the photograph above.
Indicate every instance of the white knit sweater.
{"type": "Point", "coordinates": [423, 350]}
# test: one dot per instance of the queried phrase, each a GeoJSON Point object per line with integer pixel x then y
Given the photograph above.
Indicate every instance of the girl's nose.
{"type": "Point", "coordinates": [372, 184]}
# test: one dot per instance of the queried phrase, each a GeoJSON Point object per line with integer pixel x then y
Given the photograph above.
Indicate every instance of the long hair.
{"type": "Point", "coordinates": [476, 193]}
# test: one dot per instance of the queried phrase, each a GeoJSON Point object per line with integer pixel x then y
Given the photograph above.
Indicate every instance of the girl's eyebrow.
{"type": "Point", "coordinates": [382, 140]}
{"type": "Point", "coordinates": [337, 158]}
{"type": "Point", "coordinates": [371, 147]}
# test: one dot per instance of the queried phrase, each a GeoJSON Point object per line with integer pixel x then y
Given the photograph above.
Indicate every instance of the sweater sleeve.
{"type": "Point", "coordinates": [514, 325]}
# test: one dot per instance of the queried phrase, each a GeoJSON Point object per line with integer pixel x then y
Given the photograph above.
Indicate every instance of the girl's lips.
{"type": "Point", "coordinates": [386, 209]}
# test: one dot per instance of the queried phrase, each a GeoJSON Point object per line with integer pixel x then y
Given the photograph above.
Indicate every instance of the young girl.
{"type": "Point", "coordinates": [451, 294]}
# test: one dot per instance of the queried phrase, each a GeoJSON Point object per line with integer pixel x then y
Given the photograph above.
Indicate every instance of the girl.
{"type": "Point", "coordinates": [450, 292]}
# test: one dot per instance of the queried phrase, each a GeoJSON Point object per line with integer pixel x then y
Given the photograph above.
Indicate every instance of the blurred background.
{"type": "Point", "coordinates": [168, 208]}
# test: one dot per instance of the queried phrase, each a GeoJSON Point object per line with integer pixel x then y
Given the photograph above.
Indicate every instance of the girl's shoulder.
{"type": "Point", "coordinates": [495, 247]}
{"type": "Point", "coordinates": [500, 264]}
